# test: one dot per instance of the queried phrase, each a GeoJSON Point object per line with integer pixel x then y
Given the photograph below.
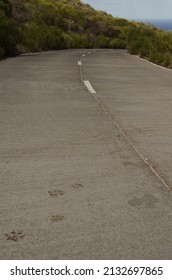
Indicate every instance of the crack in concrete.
{"type": "Point", "coordinates": [124, 133]}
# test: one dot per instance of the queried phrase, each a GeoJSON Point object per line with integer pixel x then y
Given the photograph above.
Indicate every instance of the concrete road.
{"type": "Point", "coordinates": [77, 176]}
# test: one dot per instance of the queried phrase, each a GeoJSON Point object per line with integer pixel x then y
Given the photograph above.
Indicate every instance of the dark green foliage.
{"type": "Point", "coordinates": [118, 44]}
{"type": "Point", "coordinates": [5, 6]}
{"type": "Point", "coordinates": [9, 32]}
{"type": "Point", "coordinates": [150, 43]}
{"type": "Point", "coordinates": [35, 25]}
{"type": "Point", "coordinates": [42, 37]}
{"type": "Point", "coordinates": [51, 24]}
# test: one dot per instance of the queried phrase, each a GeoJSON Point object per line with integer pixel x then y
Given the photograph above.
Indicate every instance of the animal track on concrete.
{"type": "Point", "coordinates": [56, 193]}
{"type": "Point", "coordinates": [77, 186]}
{"type": "Point", "coordinates": [57, 218]}
{"type": "Point", "coordinates": [15, 235]}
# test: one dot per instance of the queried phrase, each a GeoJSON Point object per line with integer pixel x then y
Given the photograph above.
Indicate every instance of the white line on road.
{"type": "Point", "coordinates": [145, 160]}
{"type": "Point", "coordinates": [123, 132]}
{"type": "Point", "coordinates": [79, 62]}
{"type": "Point", "coordinates": [83, 55]}
{"type": "Point", "coordinates": [165, 68]}
{"type": "Point", "coordinates": [89, 87]}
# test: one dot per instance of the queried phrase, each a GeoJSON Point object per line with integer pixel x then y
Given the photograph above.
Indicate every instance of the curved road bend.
{"type": "Point", "coordinates": [72, 186]}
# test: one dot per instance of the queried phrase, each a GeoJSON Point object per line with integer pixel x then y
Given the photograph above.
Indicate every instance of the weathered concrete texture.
{"type": "Point", "coordinates": [139, 96]}
{"type": "Point", "coordinates": [71, 186]}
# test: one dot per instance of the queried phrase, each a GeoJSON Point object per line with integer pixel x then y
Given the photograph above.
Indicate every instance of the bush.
{"type": "Point", "coordinates": [80, 41]}
{"type": "Point", "coordinates": [117, 44]}
{"type": "Point", "coordinates": [102, 42]}
{"type": "Point", "coordinates": [5, 6]}
{"type": "Point", "coordinates": [42, 37]}
{"type": "Point", "coordinates": [10, 35]}
{"type": "Point", "coordinates": [35, 25]}
{"type": "Point", "coordinates": [2, 53]}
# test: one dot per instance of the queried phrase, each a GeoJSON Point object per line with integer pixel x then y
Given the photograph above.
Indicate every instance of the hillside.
{"type": "Point", "coordinates": [35, 25]}
{"type": "Point", "coordinates": [57, 24]}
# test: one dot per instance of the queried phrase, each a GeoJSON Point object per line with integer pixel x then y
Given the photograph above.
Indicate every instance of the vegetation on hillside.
{"type": "Point", "coordinates": [35, 25]}
{"type": "Point", "coordinates": [150, 43]}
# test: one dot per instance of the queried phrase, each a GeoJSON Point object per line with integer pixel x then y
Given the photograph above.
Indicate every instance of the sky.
{"type": "Point", "coordinates": [134, 9]}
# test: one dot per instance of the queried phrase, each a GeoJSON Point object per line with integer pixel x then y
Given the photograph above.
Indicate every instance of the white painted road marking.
{"type": "Point", "coordinates": [89, 87]}
{"type": "Point", "coordinates": [83, 55]}
{"type": "Point", "coordinates": [79, 62]}
{"type": "Point", "coordinates": [162, 67]}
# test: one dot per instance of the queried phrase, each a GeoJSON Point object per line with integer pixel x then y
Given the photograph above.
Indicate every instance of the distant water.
{"type": "Point", "coordinates": [165, 24]}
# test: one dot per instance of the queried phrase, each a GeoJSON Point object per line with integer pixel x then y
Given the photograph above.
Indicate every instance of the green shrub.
{"type": "Point", "coordinates": [5, 6]}
{"type": "Point", "coordinates": [42, 37]}
{"type": "Point", "coordinates": [2, 52]}
{"type": "Point", "coordinates": [117, 44]}
{"type": "Point", "coordinates": [10, 35]}
{"type": "Point", "coordinates": [80, 41]}
{"type": "Point", "coordinates": [102, 42]}
{"type": "Point", "coordinates": [35, 25]}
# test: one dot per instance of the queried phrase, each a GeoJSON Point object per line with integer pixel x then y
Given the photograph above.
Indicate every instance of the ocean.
{"type": "Point", "coordinates": [165, 24]}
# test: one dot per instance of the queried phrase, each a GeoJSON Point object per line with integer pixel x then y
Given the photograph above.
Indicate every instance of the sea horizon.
{"type": "Point", "coordinates": [165, 24]}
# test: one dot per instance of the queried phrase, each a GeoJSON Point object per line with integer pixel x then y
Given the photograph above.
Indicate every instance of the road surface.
{"type": "Point", "coordinates": [85, 157]}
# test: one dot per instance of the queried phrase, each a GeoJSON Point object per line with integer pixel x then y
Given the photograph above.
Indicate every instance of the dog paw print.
{"type": "Point", "coordinates": [15, 235]}
{"type": "Point", "coordinates": [55, 193]}
{"type": "Point", "coordinates": [56, 218]}
{"type": "Point", "coordinates": [77, 186]}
